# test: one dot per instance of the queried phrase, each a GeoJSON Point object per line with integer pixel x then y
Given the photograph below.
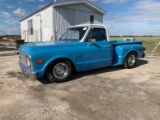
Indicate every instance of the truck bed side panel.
{"type": "Point", "coordinates": [120, 51]}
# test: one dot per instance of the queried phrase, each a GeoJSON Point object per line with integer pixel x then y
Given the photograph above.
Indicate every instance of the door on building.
{"type": "Point", "coordinates": [39, 28]}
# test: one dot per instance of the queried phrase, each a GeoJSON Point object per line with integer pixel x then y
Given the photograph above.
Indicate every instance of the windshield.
{"type": "Point", "coordinates": [75, 34]}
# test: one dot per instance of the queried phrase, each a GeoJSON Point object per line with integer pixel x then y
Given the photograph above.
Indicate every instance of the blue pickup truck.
{"type": "Point", "coordinates": [80, 48]}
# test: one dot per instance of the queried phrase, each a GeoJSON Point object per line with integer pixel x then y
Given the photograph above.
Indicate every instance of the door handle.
{"type": "Point", "coordinates": [109, 46]}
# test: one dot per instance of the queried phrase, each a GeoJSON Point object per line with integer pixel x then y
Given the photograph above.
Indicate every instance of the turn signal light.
{"type": "Point", "coordinates": [39, 61]}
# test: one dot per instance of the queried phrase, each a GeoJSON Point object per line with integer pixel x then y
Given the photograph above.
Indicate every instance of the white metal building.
{"type": "Point", "coordinates": [51, 21]}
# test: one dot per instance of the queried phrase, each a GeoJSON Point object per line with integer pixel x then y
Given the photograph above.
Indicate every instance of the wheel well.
{"type": "Point", "coordinates": [133, 52]}
{"type": "Point", "coordinates": [58, 60]}
{"type": "Point", "coordinates": [129, 53]}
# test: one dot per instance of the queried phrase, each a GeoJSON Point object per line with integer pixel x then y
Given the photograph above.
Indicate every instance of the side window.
{"type": "Point", "coordinates": [97, 33]}
{"type": "Point", "coordinates": [92, 19]}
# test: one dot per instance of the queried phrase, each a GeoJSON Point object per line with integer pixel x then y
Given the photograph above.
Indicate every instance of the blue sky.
{"type": "Point", "coordinates": [124, 17]}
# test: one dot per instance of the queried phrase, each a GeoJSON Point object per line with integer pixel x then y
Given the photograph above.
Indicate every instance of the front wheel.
{"type": "Point", "coordinates": [130, 60]}
{"type": "Point", "coordinates": [60, 71]}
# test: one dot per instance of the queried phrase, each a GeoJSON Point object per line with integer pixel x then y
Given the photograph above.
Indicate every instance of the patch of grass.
{"type": "Point", "coordinates": [150, 46]}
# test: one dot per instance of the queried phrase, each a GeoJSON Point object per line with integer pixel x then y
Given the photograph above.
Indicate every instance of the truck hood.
{"type": "Point", "coordinates": [49, 43]}
{"type": "Point", "coordinates": [41, 46]}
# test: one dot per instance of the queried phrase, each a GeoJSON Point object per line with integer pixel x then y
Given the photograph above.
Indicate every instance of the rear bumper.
{"type": "Point", "coordinates": [28, 72]}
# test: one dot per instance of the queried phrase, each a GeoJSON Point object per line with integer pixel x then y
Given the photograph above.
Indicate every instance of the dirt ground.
{"type": "Point", "coordinates": [110, 93]}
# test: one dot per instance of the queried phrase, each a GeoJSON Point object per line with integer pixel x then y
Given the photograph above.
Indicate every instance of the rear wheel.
{"type": "Point", "coordinates": [60, 71]}
{"type": "Point", "coordinates": [130, 60]}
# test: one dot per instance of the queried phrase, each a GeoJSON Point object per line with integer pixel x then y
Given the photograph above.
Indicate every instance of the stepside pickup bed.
{"type": "Point", "coordinates": [80, 48]}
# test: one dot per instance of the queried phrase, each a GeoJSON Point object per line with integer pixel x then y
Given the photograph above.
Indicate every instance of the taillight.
{"type": "Point", "coordinates": [143, 49]}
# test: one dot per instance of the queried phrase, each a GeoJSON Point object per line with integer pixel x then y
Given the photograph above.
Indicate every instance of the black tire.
{"type": "Point", "coordinates": [60, 71]}
{"type": "Point", "coordinates": [130, 61]}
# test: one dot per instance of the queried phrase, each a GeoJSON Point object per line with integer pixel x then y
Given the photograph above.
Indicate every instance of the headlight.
{"type": "Point", "coordinates": [28, 61]}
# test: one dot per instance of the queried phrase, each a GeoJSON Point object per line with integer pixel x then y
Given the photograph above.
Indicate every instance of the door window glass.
{"type": "Point", "coordinates": [99, 34]}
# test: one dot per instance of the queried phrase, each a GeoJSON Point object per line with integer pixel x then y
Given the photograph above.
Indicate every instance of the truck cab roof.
{"type": "Point", "coordinates": [89, 25]}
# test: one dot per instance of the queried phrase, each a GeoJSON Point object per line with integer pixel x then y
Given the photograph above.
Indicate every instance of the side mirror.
{"type": "Point", "coordinates": [93, 40]}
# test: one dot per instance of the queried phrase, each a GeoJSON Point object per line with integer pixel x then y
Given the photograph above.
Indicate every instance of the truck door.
{"type": "Point", "coordinates": [97, 50]}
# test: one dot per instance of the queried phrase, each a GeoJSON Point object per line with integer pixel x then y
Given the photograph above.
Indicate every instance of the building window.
{"type": "Point", "coordinates": [30, 27]}
{"type": "Point", "coordinates": [91, 19]}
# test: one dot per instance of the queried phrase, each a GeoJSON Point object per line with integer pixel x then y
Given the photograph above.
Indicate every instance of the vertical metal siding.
{"type": "Point", "coordinates": [68, 16]}
{"type": "Point", "coordinates": [54, 21]}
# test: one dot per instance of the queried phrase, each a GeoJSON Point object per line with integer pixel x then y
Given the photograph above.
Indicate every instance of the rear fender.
{"type": "Point", "coordinates": [121, 51]}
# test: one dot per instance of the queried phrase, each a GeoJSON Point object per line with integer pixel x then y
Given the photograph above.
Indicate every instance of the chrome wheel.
{"type": "Point", "coordinates": [60, 70]}
{"type": "Point", "coordinates": [131, 60]}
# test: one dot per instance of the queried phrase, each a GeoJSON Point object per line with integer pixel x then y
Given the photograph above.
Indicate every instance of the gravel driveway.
{"type": "Point", "coordinates": [110, 93]}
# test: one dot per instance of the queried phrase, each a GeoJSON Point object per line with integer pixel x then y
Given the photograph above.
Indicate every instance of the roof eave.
{"type": "Point", "coordinates": [51, 4]}
{"type": "Point", "coordinates": [67, 3]}
{"type": "Point", "coordinates": [86, 2]}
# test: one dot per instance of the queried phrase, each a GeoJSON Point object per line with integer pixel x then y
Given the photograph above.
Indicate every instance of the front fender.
{"type": "Point", "coordinates": [40, 69]}
{"type": "Point", "coordinates": [51, 60]}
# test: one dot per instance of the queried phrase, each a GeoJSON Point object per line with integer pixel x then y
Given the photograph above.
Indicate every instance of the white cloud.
{"type": "Point", "coordinates": [20, 12]}
{"type": "Point", "coordinates": [13, 18]}
{"type": "Point", "coordinates": [7, 18]}
{"type": "Point", "coordinates": [40, 0]}
{"type": "Point", "coordinates": [10, 6]}
{"type": "Point", "coordinates": [10, 23]}
{"type": "Point", "coordinates": [149, 9]}
{"type": "Point", "coordinates": [30, 0]}
{"type": "Point", "coordinates": [110, 1]}
{"type": "Point", "coordinates": [144, 11]}
{"type": "Point", "coordinates": [4, 14]}
{"type": "Point", "coordinates": [9, 30]}
{"type": "Point", "coordinates": [141, 18]}
{"type": "Point", "coordinates": [114, 1]}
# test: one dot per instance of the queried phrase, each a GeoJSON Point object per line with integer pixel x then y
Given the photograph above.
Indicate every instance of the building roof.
{"type": "Point", "coordinates": [85, 2]}
{"type": "Point", "coordinates": [62, 4]}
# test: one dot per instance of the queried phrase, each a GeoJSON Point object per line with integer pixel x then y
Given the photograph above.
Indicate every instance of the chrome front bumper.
{"type": "Point", "coordinates": [28, 72]}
